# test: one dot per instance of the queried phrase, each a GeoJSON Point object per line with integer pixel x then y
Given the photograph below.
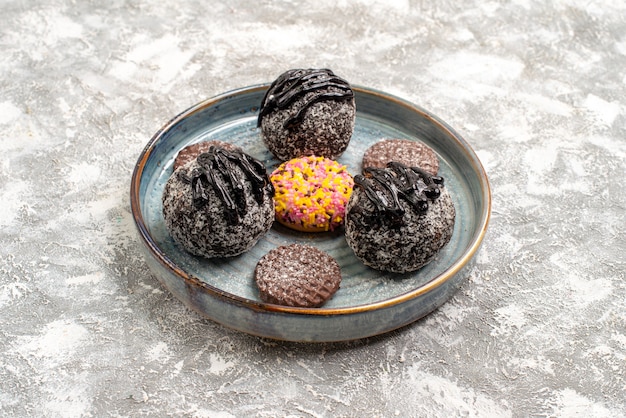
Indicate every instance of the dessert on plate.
{"type": "Point", "coordinates": [398, 217]}
{"type": "Point", "coordinates": [408, 152]}
{"type": "Point", "coordinates": [191, 152]}
{"type": "Point", "coordinates": [307, 112]}
{"type": "Point", "coordinates": [220, 204]}
{"type": "Point", "coordinates": [297, 275]}
{"type": "Point", "coordinates": [311, 193]}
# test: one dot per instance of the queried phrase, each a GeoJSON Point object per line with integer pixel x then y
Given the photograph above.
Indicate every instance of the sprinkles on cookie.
{"type": "Point", "coordinates": [311, 193]}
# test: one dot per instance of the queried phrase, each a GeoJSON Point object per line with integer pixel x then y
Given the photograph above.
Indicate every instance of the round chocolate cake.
{"type": "Point", "coordinates": [307, 112]}
{"type": "Point", "coordinates": [220, 204]}
{"type": "Point", "coordinates": [398, 217]}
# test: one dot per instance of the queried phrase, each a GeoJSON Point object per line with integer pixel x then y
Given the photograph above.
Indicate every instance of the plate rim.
{"type": "Point", "coordinates": [259, 306]}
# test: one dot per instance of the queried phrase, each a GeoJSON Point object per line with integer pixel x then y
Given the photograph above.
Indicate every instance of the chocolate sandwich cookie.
{"type": "Point", "coordinates": [297, 275]}
{"type": "Point", "coordinates": [190, 152]}
{"type": "Point", "coordinates": [408, 152]}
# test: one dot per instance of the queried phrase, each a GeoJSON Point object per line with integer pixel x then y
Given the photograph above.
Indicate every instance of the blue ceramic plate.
{"type": "Point", "coordinates": [369, 302]}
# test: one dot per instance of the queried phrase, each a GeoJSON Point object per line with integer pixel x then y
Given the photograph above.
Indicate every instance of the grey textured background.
{"type": "Point", "coordinates": [538, 90]}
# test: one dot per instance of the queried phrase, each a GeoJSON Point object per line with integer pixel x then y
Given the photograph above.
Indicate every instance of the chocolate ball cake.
{"type": "Point", "coordinates": [398, 217]}
{"type": "Point", "coordinates": [307, 112]}
{"type": "Point", "coordinates": [220, 204]}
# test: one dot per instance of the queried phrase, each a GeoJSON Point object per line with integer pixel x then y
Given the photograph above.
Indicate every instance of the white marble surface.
{"type": "Point", "coordinates": [536, 87]}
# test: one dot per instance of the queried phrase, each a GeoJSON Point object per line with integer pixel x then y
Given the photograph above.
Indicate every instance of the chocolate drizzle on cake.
{"type": "Point", "coordinates": [217, 170]}
{"type": "Point", "coordinates": [294, 84]}
{"type": "Point", "coordinates": [384, 187]}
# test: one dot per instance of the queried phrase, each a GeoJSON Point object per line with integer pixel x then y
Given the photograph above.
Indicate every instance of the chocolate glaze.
{"type": "Point", "coordinates": [385, 187]}
{"type": "Point", "coordinates": [294, 84]}
{"type": "Point", "coordinates": [217, 171]}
